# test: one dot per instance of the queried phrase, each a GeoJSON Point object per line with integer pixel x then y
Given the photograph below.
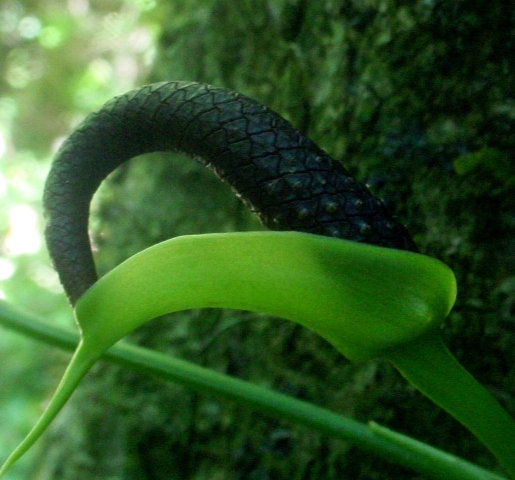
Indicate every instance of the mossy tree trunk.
{"type": "Point", "coordinates": [416, 98]}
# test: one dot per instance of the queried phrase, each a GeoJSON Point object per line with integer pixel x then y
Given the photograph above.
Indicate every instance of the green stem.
{"type": "Point", "coordinates": [392, 446]}
{"type": "Point", "coordinates": [429, 366]}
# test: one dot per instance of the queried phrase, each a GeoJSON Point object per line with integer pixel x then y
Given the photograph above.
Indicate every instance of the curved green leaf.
{"type": "Point", "coordinates": [363, 299]}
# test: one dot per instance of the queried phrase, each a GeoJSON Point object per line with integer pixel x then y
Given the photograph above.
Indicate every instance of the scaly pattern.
{"type": "Point", "coordinates": [287, 180]}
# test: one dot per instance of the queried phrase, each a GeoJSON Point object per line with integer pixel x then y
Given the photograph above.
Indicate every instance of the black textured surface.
{"type": "Point", "coordinates": [281, 175]}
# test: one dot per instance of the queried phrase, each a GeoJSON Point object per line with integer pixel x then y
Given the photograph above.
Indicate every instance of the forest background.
{"type": "Point", "coordinates": [415, 98]}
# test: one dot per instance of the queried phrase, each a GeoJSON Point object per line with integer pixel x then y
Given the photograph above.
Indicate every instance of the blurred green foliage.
{"type": "Point", "coordinates": [488, 161]}
{"type": "Point", "coordinates": [402, 92]}
{"type": "Point", "coordinates": [58, 61]}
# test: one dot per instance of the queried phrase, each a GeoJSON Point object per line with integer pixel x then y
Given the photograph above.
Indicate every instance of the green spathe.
{"type": "Point", "coordinates": [367, 301]}
{"type": "Point", "coordinates": [361, 298]}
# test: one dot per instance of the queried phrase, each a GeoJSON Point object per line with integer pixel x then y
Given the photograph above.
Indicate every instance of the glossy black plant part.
{"type": "Point", "coordinates": [289, 182]}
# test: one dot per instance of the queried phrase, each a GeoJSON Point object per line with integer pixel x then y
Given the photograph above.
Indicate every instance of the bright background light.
{"type": "Point", "coordinates": [23, 236]}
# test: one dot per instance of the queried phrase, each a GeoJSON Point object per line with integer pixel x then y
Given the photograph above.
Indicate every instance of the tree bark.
{"type": "Point", "coordinates": [413, 97]}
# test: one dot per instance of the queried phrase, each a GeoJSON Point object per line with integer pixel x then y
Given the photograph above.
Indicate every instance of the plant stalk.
{"type": "Point", "coordinates": [430, 367]}
{"type": "Point", "coordinates": [393, 446]}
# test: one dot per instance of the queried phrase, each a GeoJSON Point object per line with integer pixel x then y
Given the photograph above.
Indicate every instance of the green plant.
{"type": "Point", "coordinates": [368, 301]}
{"type": "Point", "coordinates": [390, 445]}
{"type": "Point", "coordinates": [295, 276]}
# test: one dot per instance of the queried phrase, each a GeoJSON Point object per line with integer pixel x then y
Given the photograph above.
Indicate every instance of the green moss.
{"type": "Point", "coordinates": [487, 161]}
{"type": "Point", "coordinates": [406, 95]}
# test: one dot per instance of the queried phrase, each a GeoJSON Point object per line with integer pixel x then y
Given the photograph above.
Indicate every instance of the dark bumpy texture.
{"type": "Point", "coordinates": [281, 175]}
